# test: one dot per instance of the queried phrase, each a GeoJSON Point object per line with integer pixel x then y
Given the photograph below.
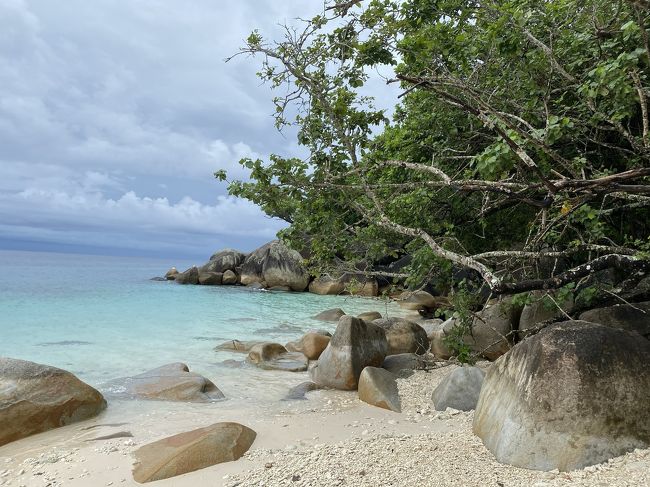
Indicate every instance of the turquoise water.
{"type": "Point", "coordinates": [102, 318]}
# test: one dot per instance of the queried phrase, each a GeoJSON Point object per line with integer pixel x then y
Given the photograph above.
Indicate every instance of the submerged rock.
{"type": "Point", "coordinates": [378, 387]}
{"type": "Point", "coordinates": [171, 382]}
{"type": "Point", "coordinates": [236, 346]}
{"type": "Point", "coordinates": [459, 390]}
{"type": "Point", "coordinates": [275, 264]}
{"type": "Point", "coordinates": [273, 356]}
{"type": "Point", "coordinates": [190, 451]}
{"type": "Point", "coordinates": [36, 398]}
{"type": "Point", "coordinates": [330, 315]}
{"type": "Point", "coordinates": [355, 345]}
{"type": "Point", "coordinates": [573, 395]}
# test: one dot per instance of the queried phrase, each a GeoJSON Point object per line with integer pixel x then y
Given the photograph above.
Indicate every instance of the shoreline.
{"type": "Point", "coordinates": [331, 438]}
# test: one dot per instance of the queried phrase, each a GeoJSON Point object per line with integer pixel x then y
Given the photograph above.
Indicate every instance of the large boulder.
{"type": "Point", "coordinates": [273, 356]}
{"type": "Point", "coordinates": [573, 395]}
{"type": "Point", "coordinates": [333, 314]}
{"type": "Point", "coordinates": [325, 285]}
{"type": "Point", "coordinates": [210, 278]}
{"type": "Point", "coordinates": [491, 334]}
{"type": "Point", "coordinates": [404, 336]}
{"type": "Point", "coordinates": [192, 450]}
{"type": "Point", "coordinates": [171, 382]}
{"type": "Point", "coordinates": [36, 398]}
{"type": "Point", "coordinates": [542, 308]}
{"type": "Point", "coordinates": [311, 345]}
{"type": "Point", "coordinates": [224, 260]}
{"type": "Point", "coordinates": [378, 388]}
{"type": "Point", "coordinates": [274, 264]}
{"type": "Point", "coordinates": [631, 317]}
{"type": "Point", "coordinates": [190, 276]}
{"type": "Point", "coordinates": [355, 345]}
{"type": "Point", "coordinates": [460, 389]}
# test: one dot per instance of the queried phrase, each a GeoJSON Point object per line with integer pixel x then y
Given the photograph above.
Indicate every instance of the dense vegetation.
{"type": "Point", "coordinates": [519, 147]}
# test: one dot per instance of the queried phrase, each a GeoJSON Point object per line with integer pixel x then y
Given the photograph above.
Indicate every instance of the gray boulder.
{"type": "Point", "coordinates": [190, 276]}
{"type": "Point", "coordinates": [404, 336]}
{"type": "Point", "coordinates": [573, 395]}
{"type": "Point", "coordinates": [36, 398]}
{"type": "Point", "coordinates": [355, 345]}
{"type": "Point", "coordinates": [377, 387]}
{"type": "Point", "coordinates": [224, 260]}
{"type": "Point", "coordinates": [631, 317]}
{"type": "Point", "coordinates": [404, 362]}
{"type": "Point", "coordinates": [210, 278]}
{"type": "Point", "coordinates": [542, 309]}
{"type": "Point", "coordinates": [333, 314]}
{"type": "Point", "coordinates": [273, 356]}
{"type": "Point", "coordinates": [192, 450]}
{"type": "Point", "coordinates": [274, 264]}
{"type": "Point", "coordinates": [171, 382]}
{"type": "Point", "coordinates": [459, 390]}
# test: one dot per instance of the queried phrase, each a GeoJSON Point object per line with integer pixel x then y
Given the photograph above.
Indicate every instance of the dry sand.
{"type": "Point", "coordinates": [330, 439]}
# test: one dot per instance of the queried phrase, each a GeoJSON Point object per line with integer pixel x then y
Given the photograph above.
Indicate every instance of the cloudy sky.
{"type": "Point", "coordinates": [115, 113]}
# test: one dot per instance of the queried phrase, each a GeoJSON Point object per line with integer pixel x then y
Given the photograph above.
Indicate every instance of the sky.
{"type": "Point", "coordinates": [114, 114]}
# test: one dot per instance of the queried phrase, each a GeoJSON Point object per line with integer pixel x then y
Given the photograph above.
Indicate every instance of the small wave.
{"type": "Point", "coordinates": [63, 343]}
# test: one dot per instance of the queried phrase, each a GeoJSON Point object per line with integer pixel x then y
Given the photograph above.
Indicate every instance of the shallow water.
{"type": "Point", "coordinates": [102, 318]}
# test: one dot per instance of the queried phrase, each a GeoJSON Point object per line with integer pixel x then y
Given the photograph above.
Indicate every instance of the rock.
{"type": "Point", "coordinates": [431, 326]}
{"type": "Point", "coordinates": [403, 336]}
{"type": "Point", "coordinates": [190, 276]}
{"type": "Point", "coordinates": [631, 317]}
{"type": "Point", "coordinates": [437, 339]}
{"type": "Point", "coordinates": [370, 316]}
{"type": "Point", "coordinates": [573, 395]}
{"type": "Point", "coordinates": [300, 391]}
{"type": "Point", "coordinates": [224, 260]}
{"type": "Point", "coordinates": [404, 361]}
{"type": "Point", "coordinates": [324, 285]}
{"type": "Point", "coordinates": [229, 278]}
{"type": "Point", "coordinates": [378, 388]}
{"type": "Point", "coordinates": [355, 345]}
{"type": "Point", "coordinates": [192, 450]}
{"type": "Point", "coordinates": [257, 285]}
{"type": "Point", "coordinates": [330, 315]}
{"type": "Point", "coordinates": [541, 309]}
{"type": "Point", "coordinates": [284, 289]}
{"type": "Point", "coordinates": [417, 300]}
{"type": "Point", "coordinates": [273, 356]}
{"type": "Point", "coordinates": [171, 382]}
{"type": "Point", "coordinates": [491, 330]}
{"type": "Point", "coordinates": [311, 345]}
{"type": "Point", "coordinates": [36, 398]}
{"type": "Point", "coordinates": [276, 265]}
{"type": "Point", "coordinates": [158, 279]}
{"type": "Point", "coordinates": [236, 346]}
{"type": "Point", "coordinates": [171, 274]}
{"type": "Point", "coordinates": [365, 287]}
{"type": "Point", "coordinates": [459, 390]}
{"type": "Point", "coordinates": [320, 332]}
{"type": "Point", "coordinates": [210, 278]}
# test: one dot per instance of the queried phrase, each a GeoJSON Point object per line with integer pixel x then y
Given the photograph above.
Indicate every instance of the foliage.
{"type": "Point", "coordinates": [519, 147]}
{"type": "Point", "coordinates": [462, 302]}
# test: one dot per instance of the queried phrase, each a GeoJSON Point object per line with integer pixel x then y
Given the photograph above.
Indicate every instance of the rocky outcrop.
{"type": "Point", "coordinates": [190, 276]}
{"type": "Point", "coordinates": [311, 345]}
{"type": "Point", "coordinates": [171, 382]}
{"type": "Point", "coordinates": [459, 390]}
{"type": "Point", "coordinates": [542, 309]}
{"type": "Point", "coordinates": [36, 398]}
{"type": "Point", "coordinates": [171, 274]}
{"type": "Point", "coordinates": [632, 317]}
{"type": "Point", "coordinates": [377, 387]}
{"type": "Point", "coordinates": [403, 336]}
{"type": "Point", "coordinates": [333, 314]}
{"type": "Point", "coordinates": [355, 345]}
{"type": "Point", "coordinates": [573, 395]}
{"type": "Point", "coordinates": [236, 346]}
{"type": "Point", "coordinates": [491, 334]}
{"type": "Point", "coordinates": [273, 356]}
{"type": "Point", "coordinates": [229, 278]}
{"type": "Point", "coordinates": [210, 278]}
{"type": "Point", "coordinates": [404, 362]}
{"type": "Point", "coordinates": [370, 316]}
{"type": "Point", "coordinates": [224, 260]}
{"type": "Point", "coordinates": [192, 450]}
{"type": "Point", "coordinates": [274, 264]}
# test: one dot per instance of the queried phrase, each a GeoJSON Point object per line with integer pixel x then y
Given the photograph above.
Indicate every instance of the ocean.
{"type": "Point", "coordinates": [102, 318]}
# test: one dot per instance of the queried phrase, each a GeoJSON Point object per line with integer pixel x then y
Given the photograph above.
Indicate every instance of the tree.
{"type": "Point", "coordinates": [519, 147]}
